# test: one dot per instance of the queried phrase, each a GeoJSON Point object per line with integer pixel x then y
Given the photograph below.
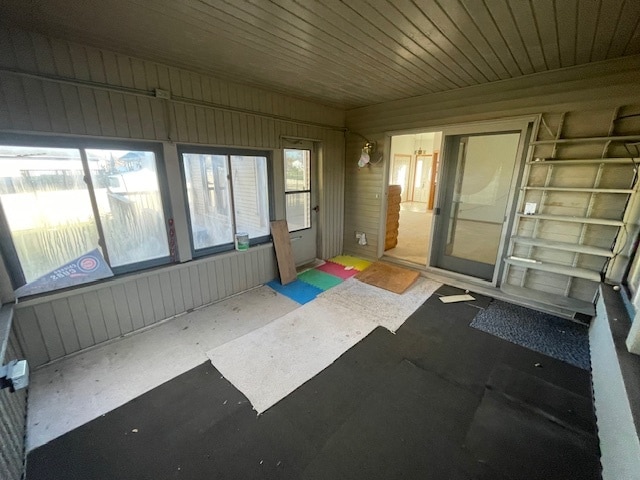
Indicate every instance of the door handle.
{"type": "Point", "coordinates": [316, 208]}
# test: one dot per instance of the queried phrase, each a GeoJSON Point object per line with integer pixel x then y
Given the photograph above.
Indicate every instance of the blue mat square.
{"type": "Point", "coordinates": [297, 291]}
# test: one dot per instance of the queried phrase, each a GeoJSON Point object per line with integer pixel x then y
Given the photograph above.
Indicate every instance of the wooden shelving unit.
{"type": "Point", "coordinates": [575, 224]}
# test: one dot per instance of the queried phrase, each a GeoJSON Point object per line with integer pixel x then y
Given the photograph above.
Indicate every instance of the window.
{"type": "Point", "coordinates": [55, 216]}
{"type": "Point", "coordinates": [227, 194]}
{"type": "Point", "coordinates": [297, 188]}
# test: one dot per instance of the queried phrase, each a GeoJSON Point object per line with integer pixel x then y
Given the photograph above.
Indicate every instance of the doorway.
{"type": "Point", "coordinates": [461, 224]}
{"type": "Point", "coordinates": [300, 200]}
{"type": "Point", "coordinates": [413, 173]}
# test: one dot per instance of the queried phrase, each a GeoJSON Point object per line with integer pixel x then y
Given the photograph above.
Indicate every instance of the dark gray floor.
{"type": "Point", "coordinates": [438, 400]}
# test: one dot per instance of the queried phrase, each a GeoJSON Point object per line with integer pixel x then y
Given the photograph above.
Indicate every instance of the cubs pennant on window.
{"type": "Point", "coordinates": [87, 268]}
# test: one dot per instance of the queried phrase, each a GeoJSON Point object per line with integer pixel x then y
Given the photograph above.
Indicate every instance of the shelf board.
{"type": "Point", "coordinates": [583, 161]}
{"type": "Point", "coordinates": [612, 138]}
{"type": "Point", "coordinates": [569, 271]}
{"type": "Point", "coordinates": [582, 190]}
{"type": "Point", "coordinates": [545, 298]}
{"type": "Point", "coordinates": [562, 218]}
{"type": "Point", "coordinates": [568, 247]}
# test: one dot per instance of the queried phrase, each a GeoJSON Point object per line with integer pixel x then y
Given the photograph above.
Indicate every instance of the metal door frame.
{"type": "Point", "coordinates": [526, 126]}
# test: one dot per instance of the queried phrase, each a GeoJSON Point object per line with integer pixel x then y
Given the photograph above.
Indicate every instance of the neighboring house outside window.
{"type": "Point", "coordinates": [227, 194]}
{"type": "Point", "coordinates": [78, 212]}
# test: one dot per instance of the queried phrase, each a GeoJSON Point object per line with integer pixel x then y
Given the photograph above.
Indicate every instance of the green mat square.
{"type": "Point", "coordinates": [319, 279]}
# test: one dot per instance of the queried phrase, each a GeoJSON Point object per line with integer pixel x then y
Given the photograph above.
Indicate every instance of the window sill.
{"type": "Point", "coordinates": [620, 324]}
{"type": "Point", "coordinates": [616, 387]}
{"type": "Point", "coordinates": [123, 278]}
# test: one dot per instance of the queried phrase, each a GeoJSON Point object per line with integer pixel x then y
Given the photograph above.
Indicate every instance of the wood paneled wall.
{"type": "Point", "coordinates": [585, 91]}
{"type": "Point", "coordinates": [54, 87]}
{"type": "Point", "coordinates": [30, 104]}
{"type": "Point", "coordinates": [13, 409]}
{"type": "Point", "coordinates": [69, 93]}
{"type": "Point", "coordinates": [60, 324]}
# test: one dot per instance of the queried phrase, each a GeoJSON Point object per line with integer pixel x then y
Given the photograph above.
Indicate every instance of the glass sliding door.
{"type": "Point", "coordinates": [478, 179]}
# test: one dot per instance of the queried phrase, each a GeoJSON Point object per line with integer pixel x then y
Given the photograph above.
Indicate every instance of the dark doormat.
{"type": "Point", "coordinates": [554, 336]}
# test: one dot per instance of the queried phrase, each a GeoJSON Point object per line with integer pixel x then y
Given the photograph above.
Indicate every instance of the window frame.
{"type": "Point", "coordinates": [306, 148]}
{"type": "Point", "coordinates": [7, 248]}
{"type": "Point", "coordinates": [228, 152]}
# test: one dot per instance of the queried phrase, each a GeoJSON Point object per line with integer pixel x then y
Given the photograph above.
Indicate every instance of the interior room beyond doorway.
{"type": "Point", "coordinates": [413, 171]}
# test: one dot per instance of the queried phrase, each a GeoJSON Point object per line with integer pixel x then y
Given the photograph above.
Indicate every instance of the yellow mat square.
{"type": "Point", "coordinates": [349, 261]}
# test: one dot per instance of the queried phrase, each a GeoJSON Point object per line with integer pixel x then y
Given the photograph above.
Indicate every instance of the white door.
{"type": "Point", "coordinates": [300, 201]}
{"type": "Point", "coordinates": [422, 178]}
{"type": "Point", "coordinates": [400, 173]}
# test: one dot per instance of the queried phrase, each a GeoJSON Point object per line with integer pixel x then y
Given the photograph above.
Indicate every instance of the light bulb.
{"type": "Point", "coordinates": [364, 159]}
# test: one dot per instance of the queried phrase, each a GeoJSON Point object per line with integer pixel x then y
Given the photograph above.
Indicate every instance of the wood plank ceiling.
{"type": "Point", "coordinates": [347, 53]}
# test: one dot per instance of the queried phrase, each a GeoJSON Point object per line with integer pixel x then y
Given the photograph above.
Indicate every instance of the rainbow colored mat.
{"type": "Point", "coordinates": [313, 282]}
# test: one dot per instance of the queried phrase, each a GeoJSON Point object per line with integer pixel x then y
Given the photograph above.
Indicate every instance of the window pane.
{"type": "Point", "coordinates": [298, 211]}
{"type": "Point", "coordinates": [126, 187]}
{"type": "Point", "coordinates": [250, 195]}
{"type": "Point", "coordinates": [47, 207]}
{"type": "Point", "coordinates": [297, 168]}
{"type": "Point", "coordinates": [208, 194]}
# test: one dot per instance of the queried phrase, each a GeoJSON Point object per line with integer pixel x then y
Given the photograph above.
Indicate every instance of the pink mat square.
{"type": "Point", "coordinates": [337, 270]}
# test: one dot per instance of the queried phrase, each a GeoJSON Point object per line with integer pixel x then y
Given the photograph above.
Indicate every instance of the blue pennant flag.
{"type": "Point", "coordinates": [87, 268]}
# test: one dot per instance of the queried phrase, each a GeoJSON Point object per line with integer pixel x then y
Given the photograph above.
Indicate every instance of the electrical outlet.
{"type": "Point", "coordinates": [361, 238]}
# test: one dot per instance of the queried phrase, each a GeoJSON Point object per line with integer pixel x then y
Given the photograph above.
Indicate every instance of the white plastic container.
{"type": "Point", "coordinates": [242, 241]}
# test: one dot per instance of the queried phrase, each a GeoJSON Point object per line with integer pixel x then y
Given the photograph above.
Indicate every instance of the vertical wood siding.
{"type": "Point", "coordinates": [203, 110]}
{"type": "Point", "coordinates": [44, 106]}
{"type": "Point", "coordinates": [589, 95]}
{"type": "Point", "coordinates": [36, 105]}
{"type": "Point", "coordinates": [13, 407]}
{"type": "Point", "coordinates": [64, 323]}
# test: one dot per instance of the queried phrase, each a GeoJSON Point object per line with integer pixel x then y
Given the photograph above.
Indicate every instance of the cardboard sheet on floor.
{"type": "Point", "coordinates": [271, 362]}
{"type": "Point", "coordinates": [456, 298]}
{"type": "Point", "coordinates": [390, 277]}
{"type": "Point", "coordinates": [387, 308]}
